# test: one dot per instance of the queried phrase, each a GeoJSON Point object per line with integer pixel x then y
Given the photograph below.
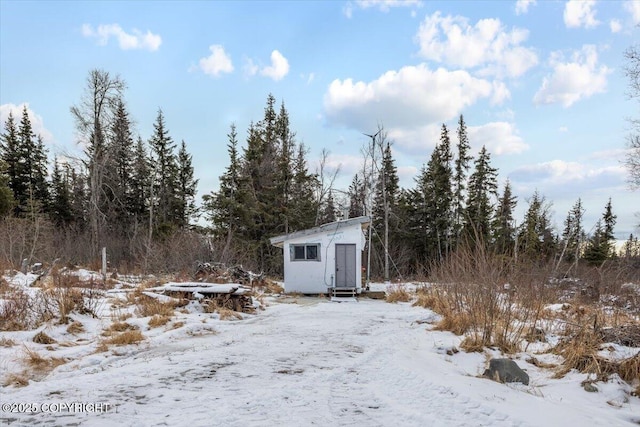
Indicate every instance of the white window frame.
{"type": "Point", "coordinates": [292, 252]}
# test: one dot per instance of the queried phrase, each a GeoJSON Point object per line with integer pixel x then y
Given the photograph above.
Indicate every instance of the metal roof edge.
{"type": "Point", "coordinates": [330, 226]}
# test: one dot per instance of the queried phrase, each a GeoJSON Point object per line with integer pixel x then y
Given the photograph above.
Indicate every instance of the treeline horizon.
{"type": "Point", "coordinates": [137, 198]}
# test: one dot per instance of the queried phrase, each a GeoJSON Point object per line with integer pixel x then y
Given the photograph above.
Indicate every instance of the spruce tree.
{"type": "Point", "coordinates": [61, 212]}
{"type": "Point", "coordinates": [6, 195]}
{"type": "Point", "coordinates": [435, 196]}
{"type": "Point", "coordinates": [305, 184]}
{"type": "Point", "coordinates": [187, 185]}
{"type": "Point", "coordinates": [503, 226]}
{"type": "Point", "coordinates": [165, 178]}
{"type": "Point", "coordinates": [226, 208]}
{"type": "Point", "coordinates": [9, 153]}
{"type": "Point", "coordinates": [461, 168]}
{"type": "Point", "coordinates": [139, 198]}
{"type": "Point", "coordinates": [328, 212]}
{"type": "Point", "coordinates": [385, 201]}
{"type": "Point", "coordinates": [573, 232]}
{"type": "Point", "coordinates": [118, 174]}
{"type": "Point", "coordinates": [601, 244]}
{"type": "Point", "coordinates": [356, 197]}
{"type": "Point", "coordinates": [535, 237]}
{"type": "Point", "coordinates": [482, 188]}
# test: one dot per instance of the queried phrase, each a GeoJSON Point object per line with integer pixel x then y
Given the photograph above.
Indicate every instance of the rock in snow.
{"type": "Point", "coordinates": [506, 371]}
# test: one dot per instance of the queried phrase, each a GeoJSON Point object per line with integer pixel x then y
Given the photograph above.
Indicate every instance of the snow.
{"type": "Point", "coordinates": [300, 361]}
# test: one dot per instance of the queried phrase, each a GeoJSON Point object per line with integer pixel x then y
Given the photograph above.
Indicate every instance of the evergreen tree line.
{"type": "Point", "coordinates": [124, 193]}
{"type": "Point", "coordinates": [455, 201]}
{"type": "Point", "coordinates": [137, 198]}
{"type": "Point", "coordinates": [266, 191]}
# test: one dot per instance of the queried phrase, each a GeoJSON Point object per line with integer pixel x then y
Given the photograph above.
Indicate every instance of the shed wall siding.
{"type": "Point", "coordinates": [314, 277]}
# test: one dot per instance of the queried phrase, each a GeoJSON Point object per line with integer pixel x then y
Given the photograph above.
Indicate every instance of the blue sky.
{"type": "Point", "coordinates": [539, 83]}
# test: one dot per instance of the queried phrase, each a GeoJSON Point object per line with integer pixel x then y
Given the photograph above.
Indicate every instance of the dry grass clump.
{"type": "Point", "coordinates": [147, 306]}
{"type": "Point", "coordinates": [125, 338]}
{"type": "Point", "coordinates": [42, 338]}
{"type": "Point", "coordinates": [16, 380]}
{"type": "Point", "coordinates": [158, 320]}
{"type": "Point", "coordinates": [228, 314]}
{"type": "Point", "coordinates": [486, 296]}
{"type": "Point", "coordinates": [211, 306]}
{"type": "Point", "coordinates": [16, 311]}
{"type": "Point", "coordinates": [116, 327]}
{"type": "Point", "coordinates": [580, 352]}
{"type": "Point", "coordinates": [397, 293]}
{"type": "Point", "coordinates": [177, 325]}
{"type": "Point", "coordinates": [271, 287]}
{"type": "Point", "coordinates": [39, 363]}
{"type": "Point", "coordinates": [7, 342]}
{"type": "Point", "coordinates": [629, 370]}
{"type": "Point", "coordinates": [75, 328]}
{"type": "Point", "coordinates": [432, 298]}
{"type": "Point", "coordinates": [472, 344]}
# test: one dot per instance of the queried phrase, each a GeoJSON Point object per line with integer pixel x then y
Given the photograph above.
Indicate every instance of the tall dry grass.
{"type": "Point", "coordinates": [491, 299]}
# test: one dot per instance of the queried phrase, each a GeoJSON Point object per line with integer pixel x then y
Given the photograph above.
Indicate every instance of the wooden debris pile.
{"type": "Point", "coordinates": [219, 273]}
{"type": "Point", "coordinates": [627, 335]}
{"type": "Point", "coordinates": [232, 296]}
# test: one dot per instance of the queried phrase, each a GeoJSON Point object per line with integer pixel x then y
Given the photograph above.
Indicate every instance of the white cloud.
{"type": "Point", "coordinates": [563, 129]}
{"type": "Point", "coordinates": [499, 138]}
{"type": "Point", "coordinates": [500, 93]}
{"type": "Point", "coordinates": [412, 96]}
{"type": "Point", "coordinates": [382, 5]}
{"type": "Point", "coordinates": [633, 7]}
{"type": "Point", "coordinates": [216, 63]}
{"type": "Point", "coordinates": [127, 41]}
{"type": "Point", "coordinates": [559, 177]}
{"type": "Point", "coordinates": [37, 124]}
{"type": "Point", "coordinates": [522, 6]}
{"type": "Point", "coordinates": [615, 26]}
{"type": "Point", "coordinates": [571, 81]}
{"type": "Point", "coordinates": [415, 139]}
{"type": "Point", "coordinates": [279, 67]}
{"type": "Point", "coordinates": [487, 45]}
{"type": "Point", "coordinates": [250, 69]}
{"type": "Point", "coordinates": [580, 13]}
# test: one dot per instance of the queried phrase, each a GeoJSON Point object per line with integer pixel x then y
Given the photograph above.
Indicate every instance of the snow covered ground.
{"type": "Point", "coordinates": [301, 361]}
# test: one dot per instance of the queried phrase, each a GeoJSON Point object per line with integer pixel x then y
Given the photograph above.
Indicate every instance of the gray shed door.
{"type": "Point", "coordinates": [345, 266]}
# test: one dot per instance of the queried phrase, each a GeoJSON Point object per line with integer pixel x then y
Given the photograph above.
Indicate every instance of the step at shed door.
{"type": "Point", "coordinates": [345, 265]}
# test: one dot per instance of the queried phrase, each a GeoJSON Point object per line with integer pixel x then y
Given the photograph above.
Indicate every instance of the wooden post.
{"type": "Point", "coordinates": [104, 264]}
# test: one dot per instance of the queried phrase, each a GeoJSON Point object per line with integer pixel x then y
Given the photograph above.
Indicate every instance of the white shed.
{"type": "Point", "coordinates": [325, 259]}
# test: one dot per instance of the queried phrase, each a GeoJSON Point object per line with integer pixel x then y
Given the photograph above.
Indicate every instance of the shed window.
{"type": "Point", "coordinates": [305, 252]}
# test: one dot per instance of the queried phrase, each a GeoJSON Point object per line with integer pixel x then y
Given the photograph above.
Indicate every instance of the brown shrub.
{"type": "Point", "coordinates": [75, 328]}
{"type": "Point", "coordinates": [397, 293]}
{"type": "Point", "coordinates": [42, 338]}
{"type": "Point", "coordinates": [7, 342]}
{"type": "Point", "coordinates": [16, 311]}
{"type": "Point", "coordinates": [125, 338]}
{"type": "Point", "coordinates": [147, 306]}
{"type": "Point", "coordinates": [629, 369]}
{"type": "Point", "coordinates": [118, 327]}
{"type": "Point", "coordinates": [39, 363]}
{"type": "Point", "coordinates": [158, 320]}
{"type": "Point", "coordinates": [228, 314]}
{"type": "Point", "coordinates": [16, 380]}
{"type": "Point", "coordinates": [177, 325]}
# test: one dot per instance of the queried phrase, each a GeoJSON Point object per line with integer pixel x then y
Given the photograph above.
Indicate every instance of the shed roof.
{"type": "Point", "coordinates": [364, 222]}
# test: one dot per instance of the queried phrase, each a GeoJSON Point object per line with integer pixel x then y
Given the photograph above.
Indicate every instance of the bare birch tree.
{"type": "Point", "coordinates": [93, 116]}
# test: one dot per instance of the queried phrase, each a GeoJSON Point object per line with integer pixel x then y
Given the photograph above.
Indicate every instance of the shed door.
{"type": "Point", "coordinates": [345, 266]}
